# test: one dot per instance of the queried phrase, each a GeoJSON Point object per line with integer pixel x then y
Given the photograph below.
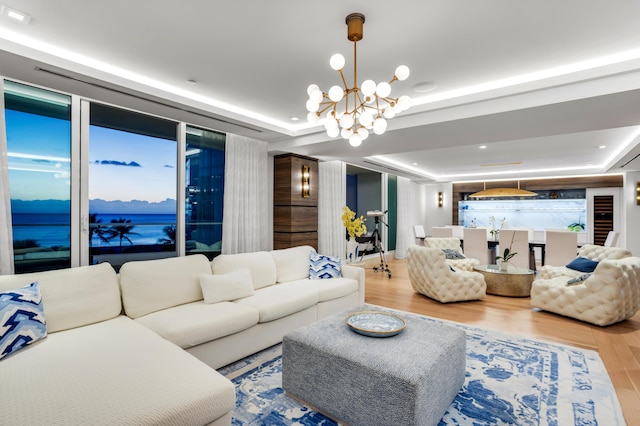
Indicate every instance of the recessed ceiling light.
{"type": "Point", "coordinates": [602, 146]}
{"type": "Point", "coordinates": [192, 82]}
{"type": "Point", "coordinates": [294, 118]}
{"type": "Point", "coordinates": [15, 15]}
{"type": "Point", "coordinates": [425, 87]}
{"type": "Point", "coordinates": [482, 147]}
{"type": "Point", "coordinates": [415, 164]}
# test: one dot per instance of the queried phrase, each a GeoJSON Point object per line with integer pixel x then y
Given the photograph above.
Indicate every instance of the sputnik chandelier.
{"type": "Point", "coordinates": [352, 112]}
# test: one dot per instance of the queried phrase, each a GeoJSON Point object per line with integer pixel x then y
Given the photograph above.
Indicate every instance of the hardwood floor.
{"type": "Point", "coordinates": [618, 345]}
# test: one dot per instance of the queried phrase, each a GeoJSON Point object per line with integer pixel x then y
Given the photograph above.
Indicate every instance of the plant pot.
{"type": "Point", "coordinates": [352, 250]}
{"type": "Point", "coordinates": [504, 266]}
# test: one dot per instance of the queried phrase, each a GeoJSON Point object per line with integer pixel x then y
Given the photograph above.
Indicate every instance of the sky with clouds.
{"type": "Point", "coordinates": [122, 166]}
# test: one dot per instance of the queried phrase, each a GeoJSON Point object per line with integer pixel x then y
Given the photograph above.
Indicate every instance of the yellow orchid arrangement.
{"type": "Point", "coordinates": [355, 226]}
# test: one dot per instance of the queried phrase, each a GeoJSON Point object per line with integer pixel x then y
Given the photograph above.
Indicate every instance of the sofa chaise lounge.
{"type": "Point", "coordinates": [141, 347]}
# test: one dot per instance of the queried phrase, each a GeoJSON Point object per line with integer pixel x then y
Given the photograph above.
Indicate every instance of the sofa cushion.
{"type": "Point", "coordinates": [323, 267]}
{"type": "Point", "coordinates": [226, 287]}
{"type": "Point", "coordinates": [152, 285]}
{"type": "Point", "coordinates": [582, 264]}
{"type": "Point", "coordinates": [114, 372]}
{"type": "Point", "coordinates": [22, 319]}
{"type": "Point", "coordinates": [73, 297]}
{"type": "Point", "coordinates": [260, 263]}
{"type": "Point", "coordinates": [281, 300]}
{"type": "Point", "coordinates": [195, 323]}
{"type": "Point", "coordinates": [329, 289]}
{"type": "Point", "coordinates": [292, 263]}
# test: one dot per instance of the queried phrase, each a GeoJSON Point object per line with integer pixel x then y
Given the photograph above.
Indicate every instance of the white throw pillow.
{"type": "Point", "coordinates": [225, 287]}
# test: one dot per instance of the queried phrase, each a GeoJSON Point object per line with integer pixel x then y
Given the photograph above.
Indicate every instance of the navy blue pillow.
{"type": "Point", "coordinates": [582, 264]}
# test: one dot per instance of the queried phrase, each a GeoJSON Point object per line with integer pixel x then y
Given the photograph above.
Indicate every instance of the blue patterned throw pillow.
{"type": "Point", "coordinates": [321, 267]}
{"type": "Point", "coordinates": [452, 254]}
{"type": "Point", "coordinates": [578, 280]}
{"type": "Point", "coordinates": [21, 318]}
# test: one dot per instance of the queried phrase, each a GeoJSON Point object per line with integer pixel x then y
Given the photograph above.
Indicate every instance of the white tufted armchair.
{"type": "Point", "coordinates": [452, 243]}
{"type": "Point", "coordinates": [431, 275]}
{"type": "Point", "coordinates": [589, 251]}
{"type": "Point", "coordinates": [609, 295]}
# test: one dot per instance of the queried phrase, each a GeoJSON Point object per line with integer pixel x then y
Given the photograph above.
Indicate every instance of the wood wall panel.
{"type": "Point", "coordinates": [295, 218]}
{"type": "Point", "coordinates": [282, 240]}
{"type": "Point", "coordinates": [287, 181]}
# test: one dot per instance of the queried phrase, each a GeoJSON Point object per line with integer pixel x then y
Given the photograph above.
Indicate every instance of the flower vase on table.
{"type": "Point", "coordinates": [355, 227]}
{"type": "Point", "coordinates": [504, 266]}
{"type": "Point", "coordinates": [352, 250]}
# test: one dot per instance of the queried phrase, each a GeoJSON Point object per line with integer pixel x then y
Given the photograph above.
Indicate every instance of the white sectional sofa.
{"type": "Point", "coordinates": [128, 348]}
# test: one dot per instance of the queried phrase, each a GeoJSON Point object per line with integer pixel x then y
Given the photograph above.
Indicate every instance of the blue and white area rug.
{"type": "Point", "coordinates": [509, 381]}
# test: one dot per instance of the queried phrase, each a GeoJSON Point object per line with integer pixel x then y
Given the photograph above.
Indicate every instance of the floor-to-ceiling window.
{"type": "Point", "coordinates": [132, 186]}
{"type": "Point", "coordinates": [38, 125]}
{"type": "Point", "coordinates": [204, 190]}
{"type": "Point", "coordinates": [103, 185]}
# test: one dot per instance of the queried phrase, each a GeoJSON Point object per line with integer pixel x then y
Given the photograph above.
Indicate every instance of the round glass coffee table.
{"type": "Point", "coordinates": [514, 282]}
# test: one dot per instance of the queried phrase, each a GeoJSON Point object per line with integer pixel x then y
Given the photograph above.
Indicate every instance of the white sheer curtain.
{"type": "Point", "coordinates": [6, 234]}
{"type": "Point", "coordinates": [245, 220]}
{"type": "Point", "coordinates": [403, 224]}
{"type": "Point", "coordinates": [331, 199]}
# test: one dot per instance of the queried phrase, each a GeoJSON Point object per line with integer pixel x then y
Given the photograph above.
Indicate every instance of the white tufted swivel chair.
{"type": "Point", "coordinates": [452, 243]}
{"type": "Point", "coordinates": [590, 251]}
{"type": "Point", "coordinates": [431, 276]}
{"type": "Point", "coordinates": [609, 295]}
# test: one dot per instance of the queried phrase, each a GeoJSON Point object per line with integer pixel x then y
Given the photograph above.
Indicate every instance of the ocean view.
{"type": "Point", "coordinates": [53, 229]}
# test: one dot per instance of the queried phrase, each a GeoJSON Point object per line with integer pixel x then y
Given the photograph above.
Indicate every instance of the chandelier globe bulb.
{"type": "Point", "coordinates": [312, 88]}
{"type": "Point", "coordinates": [389, 112]}
{"type": "Point", "coordinates": [312, 106]}
{"type": "Point", "coordinates": [355, 140]}
{"type": "Point", "coordinates": [334, 132]}
{"type": "Point", "coordinates": [346, 121]}
{"type": "Point", "coordinates": [383, 89]}
{"type": "Point", "coordinates": [404, 102]}
{"type": "Point", "coordinates": [402, 72]}
{"type": "Point", "coordinates": [346, 133]}
{"type": "Point", "coordinates": [337, 62]}
{"type": "Point", "coordinates": [379, 126]}
{"type": "Point", "coordinates": [368, 87]}
{"type": "Point", "coordinates": [365, 118]}
{"type": "Point", "coordinates": [363, 132]}
{"type": "Point", "coordinates": [316, 96]}
{"type": "Point", "coordinates": [336, 93]}
{"type": "Point", "coordinates": [313, 117]}
{"type": "Point", "coordinates": [330, 123]}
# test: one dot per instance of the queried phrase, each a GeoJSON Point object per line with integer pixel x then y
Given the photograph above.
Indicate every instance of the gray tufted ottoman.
{"type": "Point", "coordinates": [408, 379]}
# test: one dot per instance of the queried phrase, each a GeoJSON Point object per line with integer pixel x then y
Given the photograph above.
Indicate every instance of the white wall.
{"type": "Point", "coordinates": [631, 214]}
{"type": "Point", "coordinates": [427, 212]}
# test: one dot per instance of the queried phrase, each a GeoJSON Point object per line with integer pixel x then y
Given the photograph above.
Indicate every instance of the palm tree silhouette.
{"type": "Point", "coordinates": [170, 232]}
{"type": "Point", "coordinates": [98, 230]}
{"type": "Point", "coordinates": [121, 229]}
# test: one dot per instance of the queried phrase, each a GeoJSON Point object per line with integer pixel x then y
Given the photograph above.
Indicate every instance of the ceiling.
{"type": "Point", "coordinates": [548, 88]}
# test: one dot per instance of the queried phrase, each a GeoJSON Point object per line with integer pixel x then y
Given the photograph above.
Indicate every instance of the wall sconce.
{"type": "Point", "coordinates": [638, 193]}
{"type": "Point", "coordinates": [305, 181]}
{"type": "Point", "coordinates": [440, 199]}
